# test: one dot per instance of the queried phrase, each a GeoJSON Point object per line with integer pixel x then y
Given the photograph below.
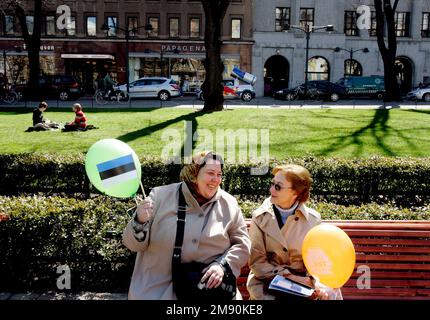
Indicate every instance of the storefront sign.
{"type": "Point", "coordinates": [43, 47]}
{"type": "Point", "coordinates": [192, 48]}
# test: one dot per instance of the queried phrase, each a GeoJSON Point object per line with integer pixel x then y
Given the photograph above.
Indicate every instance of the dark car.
{"type": "Point", "coordinates": [317, 89]}
{"type": "Point", "coordinates": [62, 87]}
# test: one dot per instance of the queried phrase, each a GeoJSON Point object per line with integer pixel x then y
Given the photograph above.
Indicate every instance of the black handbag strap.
{"type": "Point", "coordinates": [180, 228]}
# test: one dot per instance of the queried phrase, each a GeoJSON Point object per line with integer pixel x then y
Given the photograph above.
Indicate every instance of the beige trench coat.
{"type": "Point", "coordinates": [213, 231]}
{"type": "Point", "coordinates": [273, 249]}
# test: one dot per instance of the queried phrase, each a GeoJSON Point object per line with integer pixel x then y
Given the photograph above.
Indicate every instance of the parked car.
{"type": "Point", "coordinates": [422, 93]}
{"type": "Point", "coordinates": [243, 91]}
{"type": "Point", "coordinates": [369, 87]}
{"type": "Point", "coordinates": [317, 89]}
{"type": "Point", "coordinates": [152, 87]}
{"type": "Point", "coordinates": [63, 87]}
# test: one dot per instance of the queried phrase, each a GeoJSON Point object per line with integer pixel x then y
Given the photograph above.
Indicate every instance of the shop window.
{"type": "Point", "coordinates": [229, 64]}
{"type": "Point", "coordinates": [236, 25]}
{"type": "Point", "coordinates": [91, 26]}
{"type": "Point", "coordinates": [19, 72]}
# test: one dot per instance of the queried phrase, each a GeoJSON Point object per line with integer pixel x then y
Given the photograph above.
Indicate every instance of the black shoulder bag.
{"type": "Point", "coordinates": [186, 276]}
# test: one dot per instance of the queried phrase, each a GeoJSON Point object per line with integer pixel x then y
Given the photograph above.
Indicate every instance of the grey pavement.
{"type": "Point", "coordinates": [63, 296]}
{"type": "Point", "coordinates": [261, 102]}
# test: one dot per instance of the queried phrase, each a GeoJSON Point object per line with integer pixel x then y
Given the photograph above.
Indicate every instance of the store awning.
{"type": "Point", "coordinates": [86, 56]}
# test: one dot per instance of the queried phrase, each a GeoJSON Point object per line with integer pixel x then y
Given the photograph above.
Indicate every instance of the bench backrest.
{"type": "Point", "coordinates": [393, 255]}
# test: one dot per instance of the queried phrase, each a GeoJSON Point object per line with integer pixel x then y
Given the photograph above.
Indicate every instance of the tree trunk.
{"type": "Point", "coordinates": [32, 43]}
{"type": "Point", "coordinates": [212, 86]}
{"type": "Point", "coordinates": [385, 13]}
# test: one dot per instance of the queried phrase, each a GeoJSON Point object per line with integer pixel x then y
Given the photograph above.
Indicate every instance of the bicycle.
{"type": "Point", "coordinates": [116, 96]}
{"type": "Point", "coordinates": [9, 96]}
{"type": "Point", "coordinates": [299, 92]}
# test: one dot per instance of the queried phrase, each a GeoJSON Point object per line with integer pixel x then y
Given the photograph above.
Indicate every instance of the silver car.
{"type": "Point", "coordinates": [152, 87]}
{"type": "Point", "coordinates": [420, 94]}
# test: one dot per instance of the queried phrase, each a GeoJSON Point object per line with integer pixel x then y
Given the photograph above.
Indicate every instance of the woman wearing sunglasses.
{"type": "Point", "coordinates": [277, 231]}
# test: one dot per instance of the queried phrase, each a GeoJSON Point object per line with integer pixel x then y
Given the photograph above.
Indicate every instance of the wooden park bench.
{"type": "Point", "coordinates": [397, 254]}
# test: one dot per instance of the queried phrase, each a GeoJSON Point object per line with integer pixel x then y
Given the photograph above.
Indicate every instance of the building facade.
{"type": "Point", "coordinates": [173, 45]}
{"type": "Point", "coordinates": [279, 54]}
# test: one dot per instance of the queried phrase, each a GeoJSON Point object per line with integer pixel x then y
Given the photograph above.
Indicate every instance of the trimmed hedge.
{"type": "Point", "coordinates": [43, 233]}
{"type": "Point", "coordinates": [343, 181]}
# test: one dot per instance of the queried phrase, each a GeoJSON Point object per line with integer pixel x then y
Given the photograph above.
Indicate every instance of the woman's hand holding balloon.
{"type": "Point", "coordinates": [145, 210]}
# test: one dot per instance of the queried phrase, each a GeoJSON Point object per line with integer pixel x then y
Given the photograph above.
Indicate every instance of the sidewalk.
{"type": "Point", "coordinates": [63, 296]}
{"type": "Point", "coordinates": [257, 103]}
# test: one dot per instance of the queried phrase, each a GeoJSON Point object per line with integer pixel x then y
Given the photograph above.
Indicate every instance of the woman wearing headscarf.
{"type": "Point", "coordinates": [215, 232]}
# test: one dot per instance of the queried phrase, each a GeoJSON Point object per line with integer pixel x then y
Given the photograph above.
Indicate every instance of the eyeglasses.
{"type": "Point", "coordinates": [278, 187]}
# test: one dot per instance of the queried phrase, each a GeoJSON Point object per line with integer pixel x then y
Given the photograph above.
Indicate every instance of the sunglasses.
{"type": "Point", "coordinates": [278, 187]}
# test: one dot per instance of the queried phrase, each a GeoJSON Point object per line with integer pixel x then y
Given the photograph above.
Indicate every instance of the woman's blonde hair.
{"type": "Point", "coordinates": [190, 171]}
{"type": "Point", "coordinates": [77, 106]}
{"type": "Point", "coordinates": [299, 177]}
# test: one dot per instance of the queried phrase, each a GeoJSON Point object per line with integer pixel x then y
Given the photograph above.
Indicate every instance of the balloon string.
{"type": "Point", "coordinates": [143, 190]}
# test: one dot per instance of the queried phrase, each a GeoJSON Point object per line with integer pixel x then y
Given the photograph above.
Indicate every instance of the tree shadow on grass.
{"type": "Point", "coordinates": [192, 117]}
{"type": "Point", "coordinates": [378, 129]}
{"type": "Point", "coordinates": [419, 111]}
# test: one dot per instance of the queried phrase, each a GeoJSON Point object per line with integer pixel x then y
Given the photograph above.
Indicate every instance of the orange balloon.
{"type": "Point", "coordinates": [329, 255]}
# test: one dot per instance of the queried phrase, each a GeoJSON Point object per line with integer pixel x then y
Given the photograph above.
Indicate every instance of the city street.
{"type": "Point", "coordinates": [260, 102]}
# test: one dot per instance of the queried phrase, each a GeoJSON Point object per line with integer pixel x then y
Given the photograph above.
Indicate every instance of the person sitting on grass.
{"type": "Point", "coordinates": [80, 122]}
{"type": "Point", "coordinates": [40, 124]}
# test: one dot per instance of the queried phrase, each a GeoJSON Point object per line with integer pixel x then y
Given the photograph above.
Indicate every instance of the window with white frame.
{"type": "Point", "coordinates": [236, 25]}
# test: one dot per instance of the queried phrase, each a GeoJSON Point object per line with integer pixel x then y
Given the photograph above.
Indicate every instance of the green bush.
{"type": "Point", "coordinates": [46, 232]}
{"type": "Point", "coordinates": [368, 211]}
{"type": "Point", "coordinates": [43, 233]}
{"type": "Point", "coordinates": [342, 181]}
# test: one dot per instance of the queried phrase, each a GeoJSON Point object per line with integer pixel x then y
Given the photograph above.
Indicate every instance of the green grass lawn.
{"type": "Point", "coordinates": [328, 132]}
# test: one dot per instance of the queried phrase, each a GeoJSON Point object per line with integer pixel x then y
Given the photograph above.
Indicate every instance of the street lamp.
{"type": "Point", "coordinates": [308, 29]}
{"type": "Point", "coordinates": [351, 52]}
{"type": "Point", "coordinates": [148, 28]}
